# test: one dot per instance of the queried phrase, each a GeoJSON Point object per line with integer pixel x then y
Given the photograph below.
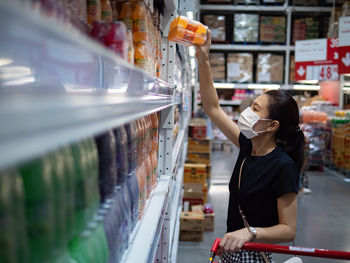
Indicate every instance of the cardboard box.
{"type": "Point", "coordinates": [197, 208]}
{"type": "Point", "coordinates": [217, 26]}
{"type": "Point", "coordinates": [203, 158]}
{"type": "Point", "coordinates": [199, 145]}
{"type": "Point", "coordinates": [218, 66]}
{"type": "Point", "coordinates": [270, 68]}
{"type": "Point", "coordinates": [209, 222]}
{"type": "Point", "coordinates": [193, 202]}
{"type": "Point", "coordinates": [193, 190]}
{"type": "Point", "coordinates": [273, 29]}
{"type": "Point", "coordinates": [208, 171]}
{"type": "Point", "coordinates": [198, 128]}
{"type": "Point", "coordinates": [193, 236]}
{"type": "Point", "coordinates": [195, 173]}
{"type": "Point", "coordinates": [205, 193]}
{"type": "Point", "coordinates": [246, 27]}
{"type": "Point", "coordinates": [240, 67]}
{"type": "Point", "coordinates": [192, 221]}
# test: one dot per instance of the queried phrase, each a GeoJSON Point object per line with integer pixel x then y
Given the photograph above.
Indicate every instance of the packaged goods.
{"type": "Point", "coordinates": [99, 31]}
{"type": "Point", "coordinates": [199, 145]}
{"type": "Point", "coordinates": [132, 146]}
{"type": "Point", "coordinates": [305, 28]}
{"type": "Point", "coordinates": [270, 68]}
{"type": "Point", "coordinates": [217, 26]}
{"type": "Point", "coordinates": [218, 66]}
{"type": "Point", "coordinates": [192, 221]}
{"type": "Point", "coordinates": [240, 67]}
{"type": "Point", "coordinates": [106, 146]}
{"type": "Point", "coordinates": [198, 128]}
{"type": "Point", "coordinates": [193, 190]}
{"type": "Point", "coordinates": [292, 69]}
{"type": "Point", "coordinates": [273, 29]}
{"type": "Point", "coordinates": [126, 15]}
{"type": "Point", "coordinates": [140, 23]}
{"type": "Point", "coordinates": [40, 205]}
{"type": "Point", "coordinates": [134, 198]}
{"type": "Point", "coordinates": [131, 50]}
{"type": "Point", "coordinates": [117, 39]}
{"type": "Point", "coordinates": [107, 12]}
{"type": "Point", "coordinates": [246, 28]}
{"type": "Point", "coordinates": [209, 222]}
{"type": "Point", "coordinates": [195, 173]}
{"type": "Point", "coordinates": [115, 11]}
{"type": "Point", "coordinates": [187, 32]}
{"type": "Point", "coordinates": [122, 161]}
{"type": "Point", "coordinates": [13, 236]}
{"type": "Point", "coordinates": [142, 56]}
{"type": "Point", "coordinates": [193, 236]}
{"type": "Point", "coordinates": [94, 11]}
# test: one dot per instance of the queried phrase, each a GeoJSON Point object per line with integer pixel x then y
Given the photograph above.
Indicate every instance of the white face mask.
{"type": "Point", "coordinates": [246, 122]}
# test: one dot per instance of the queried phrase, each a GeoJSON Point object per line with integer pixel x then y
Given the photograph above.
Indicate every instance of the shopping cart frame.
{"type": "Point", "coordinates": [291, 250]}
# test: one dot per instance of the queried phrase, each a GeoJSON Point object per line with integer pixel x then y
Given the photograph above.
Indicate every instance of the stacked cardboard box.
{"type": "Point", "coordinates": [270, 68]}
{"type": "Point", "coordinates": [246, 28]}
{"type": "Point", "coordinates": [217, 26]}
{"type": "Point", "coordinates": [209, 216]}
{"type": "Point", "coordinates": [273, 29]}
{"type": "Point", "coordinates": [218, 66]}
{"type": "Point", "coordinates": [192, 226]}
{"type": "Point", "coordinates": [195, 184]}
{"type": "Point", "coordinates": [292, 69]}
{"type": "Point", "coordinates": [341, 147]}
{"type": "Point", "coordinates": [240, 67]}
{"type": "Point", "coordinates": [305, 28]}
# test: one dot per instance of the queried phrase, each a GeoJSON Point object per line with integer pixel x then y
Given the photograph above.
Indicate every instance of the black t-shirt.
{"type": "Point", "coordinates": [264, 179]}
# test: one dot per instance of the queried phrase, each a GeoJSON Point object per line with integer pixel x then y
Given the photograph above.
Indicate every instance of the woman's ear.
{"type": "Point", "coordinates": [274, 125]}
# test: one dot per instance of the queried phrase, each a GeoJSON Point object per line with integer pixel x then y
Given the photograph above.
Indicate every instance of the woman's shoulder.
{"type": "Point", "coordinates": [284, 161]}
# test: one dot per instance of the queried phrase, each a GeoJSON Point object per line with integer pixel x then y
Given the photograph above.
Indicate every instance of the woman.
{"type": "Point", "coordinates": [264, 184]}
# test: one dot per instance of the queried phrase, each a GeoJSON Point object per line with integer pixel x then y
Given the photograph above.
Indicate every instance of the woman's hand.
{"type": "Point", "coordinates": [234, 241]}
{"type": "Point", "coordinates": [202, 52]}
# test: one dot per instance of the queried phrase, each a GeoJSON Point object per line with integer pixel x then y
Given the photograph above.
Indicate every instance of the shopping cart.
{"type": "Point", "coordinates": [300, 251]}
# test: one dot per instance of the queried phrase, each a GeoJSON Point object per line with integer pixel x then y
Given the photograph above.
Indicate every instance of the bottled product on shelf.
{"type": "Point", "coordinates": [94, 11]}
{"type": "Point", "coordinates": [131, 49]}
{"type": "Point", "coordinates": [187, 32]}
{"type": "Point", "coordinates": [106, 11]}
{"type": "Point", "coordinates": [106, 146]}
{"type": "Point", "coordinates": [142, 56]}
{"type": "Point", "coordinates": [126, 15]}
{"type": "Point", "coordinates": [140, 23]}
{"type": "Point", "coordinates": [122, 162]}
{"type": "Point", "coordinates": [117, 39]}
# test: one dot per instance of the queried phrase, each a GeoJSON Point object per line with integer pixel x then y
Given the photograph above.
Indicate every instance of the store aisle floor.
{"type": "Point", "coordinates": [323, 216]}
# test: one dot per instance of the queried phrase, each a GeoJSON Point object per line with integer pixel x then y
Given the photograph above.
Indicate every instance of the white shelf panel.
{"type": "Point", "coordinates": [232, 47]}
{"type": "Point", "coordinates": [267, 8]}
{"type": "Point", "coordinates": [174, 249]}
{"type": "Point", "coordinates": [143, 247]}
{"type": "Point", "coordinates": [243, 8]}
{"type": "Point", "coordinates": [177, 148]}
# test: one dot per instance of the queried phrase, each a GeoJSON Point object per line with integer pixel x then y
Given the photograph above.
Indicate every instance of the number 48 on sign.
{"type": "Point", "coordinates": [322, 72]}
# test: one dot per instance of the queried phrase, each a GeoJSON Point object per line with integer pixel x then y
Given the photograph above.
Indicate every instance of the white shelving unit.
{"type": "Point", "coordinates": [57, 86]}
{"type": "Point", "coordinates": [286, 10]}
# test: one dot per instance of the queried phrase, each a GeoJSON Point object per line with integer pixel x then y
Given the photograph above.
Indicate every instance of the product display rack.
{"type": "Point", "coordinates": [286, 10]}
{"type": "Point", "coordinates": [58, 86]}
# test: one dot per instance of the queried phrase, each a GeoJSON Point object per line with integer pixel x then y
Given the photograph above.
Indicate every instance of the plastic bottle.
{"type": "Point", "coordinates": [145, 136]}
{"type": "Point", "coordinates": [131, 49]}
{"type": "Point", "coordinates": [106, 146]}
{"type": "Point", "coordinates": [69, 174]}
{"type": "Point", "coordinates": [131, 131]}
{"type": "Point", "coordinates": [117, 39]}
{"type": "Point", "coordinates": [60, 201]}
{"type": "Point", "coordinates": [107, 12]}
{"type": "Point", "coordinates": [80, 187]}
{"type": "Point", "coordinates": [140, 26]}
{"type": "Point", "coordinates": [127, 211]}
{"type": "Point", "coordinates": [101, 239]}
{"type": "Point", "coordinates": [126, 15]}
{"type": "Point", "coordinates": [134, 198]}
{"type": "Point", "coordinates": [94, 11]}
{"type": "Point", "coordinates": [148, 167]}
{"type": "Point", "coordinates": [122, 162]}
{"type": "Point", "coordinates": [40, 205]}
{"type": "Point", "coordinates": [154, 125]}
{"type": "Point", "coordinates": [80, 248]}
{"type": "Point", "coordinates": [141, 179]}
{"type": "Point", "coordinates": [13, 236]}
{"type": "Point", "coordinates": [155, 169]}
{"type": "Point", "coordinates": [119, 210]}
{"type": "Point", "coordinates": [99, 31]}
{"type": "Point", "coordinates": [142, 56]}
{"type": "Point", "coordinates": [187, 32]}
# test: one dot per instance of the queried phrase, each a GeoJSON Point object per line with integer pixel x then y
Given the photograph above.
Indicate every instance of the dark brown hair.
{"type": "Point", "coordinates": [283, 108]}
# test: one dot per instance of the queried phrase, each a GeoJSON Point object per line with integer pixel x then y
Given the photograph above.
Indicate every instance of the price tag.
{"type": "Point", "coordinates": [322, 72]}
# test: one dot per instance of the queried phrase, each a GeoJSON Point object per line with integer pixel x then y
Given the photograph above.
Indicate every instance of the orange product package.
{"type": "Point", "coordinates": [140, 26]}
{"type": "Point", "coordinates": [187, 32]}
{"type": "Point", "coordinates": [107, 11]}
{"type": "Point", "coordinates": [94, 11]}
{"type": "Point", "coordinates": [126, 15]}
{"type": "Point", "coordinates": [131, 49]}
{"type": "Point", "coordinates": [142, 56]}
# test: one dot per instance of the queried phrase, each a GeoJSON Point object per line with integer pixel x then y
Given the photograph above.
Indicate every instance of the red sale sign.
{"type": "Point", "coordinates": [316, 59]}
{"type": "Point", "coordinates": [344, 45]}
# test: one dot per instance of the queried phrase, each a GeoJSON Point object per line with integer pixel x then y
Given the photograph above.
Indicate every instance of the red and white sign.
{"type": "Point", "coordinates": [344, 45]}
{"type": "Point", "coordinates": [316, 59]}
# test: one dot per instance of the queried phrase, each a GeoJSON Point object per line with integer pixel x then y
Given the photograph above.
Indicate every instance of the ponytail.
{"type": "Point", "coordinates": [284, 109]}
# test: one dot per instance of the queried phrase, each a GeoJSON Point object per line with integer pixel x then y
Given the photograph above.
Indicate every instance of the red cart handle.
{"type": "Point", "coordinates": [302, 251]}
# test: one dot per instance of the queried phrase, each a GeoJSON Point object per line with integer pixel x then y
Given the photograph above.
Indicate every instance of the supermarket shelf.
{"type": "Point", "coordinates": [173, 255]}
{"type": "Point", "coordinates": [261, 8]}
{"type": "Point", "coordinates": [239, 8]}
{"type": "Point", "coordinates": [221, 85]}
{"type": "Point", "coordinates": [230, 102]}
{"type": "Point", "coordinates": [177, 147]}
{"type": "Point", "coordinates": [143, 247]}
{"type": "Point", "coordinates": [232, 47]}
